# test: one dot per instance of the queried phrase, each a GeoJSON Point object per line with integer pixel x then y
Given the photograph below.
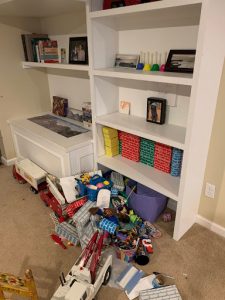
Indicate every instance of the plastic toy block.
{"type": "Point", "coordinates": [114, 142]}
{"type": "Point", "coordinates": [120, 134]}
{"type": "Point", "coordinates": [111, 151]}
{"type": "Point", "coordinates": [67, 231]}
{"type": "Point", "coordinates": [84, 225]}
{"type": "Point", "coordinates": [83, 215]}
{"type": "Point", "coordinates": [162, 167]}
{"type": "Point", "coordinates": [130, 137]}
{"type": "Point", "coordinates": [117, 180]}
{"type": "Point", "coordinates": [74, 207]}
{"type": "Point", "coordinates": [107, 225]}
{"type": "Point", "coordinates": [109, 132]}
{"type": "Point", "coordinates": [176, 163]}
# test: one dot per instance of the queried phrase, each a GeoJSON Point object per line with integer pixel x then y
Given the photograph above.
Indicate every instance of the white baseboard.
{"type": "Point", "coordinates": [210, 225]}
{"type": "Point", "coordinates": [8, 162]}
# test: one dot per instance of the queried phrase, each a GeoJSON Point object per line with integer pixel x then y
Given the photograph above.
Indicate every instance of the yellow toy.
{"type": "Point", "coordinates": [16, 285]}
{"type": "Point", "coordinates": [111, 141]}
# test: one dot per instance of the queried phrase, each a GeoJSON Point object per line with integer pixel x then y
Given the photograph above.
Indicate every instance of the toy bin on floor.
{"type": "Point", "coordinates": [96, 183]}
{"type": "Point", "coordinates": [147, 203]}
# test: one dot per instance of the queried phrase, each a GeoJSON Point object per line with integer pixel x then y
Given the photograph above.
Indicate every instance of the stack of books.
{"type": "Point", "coordinates": [48, 51]}
{"type": "Point", "coordinates": [39, 48]}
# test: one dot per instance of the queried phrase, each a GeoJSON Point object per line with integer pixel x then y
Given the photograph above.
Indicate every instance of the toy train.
{"type": "Point", "coordinates": [26, 171]}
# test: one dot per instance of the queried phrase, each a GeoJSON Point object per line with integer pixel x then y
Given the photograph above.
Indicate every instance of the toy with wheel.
{"type": "Point", "coordinates": [26, 171]}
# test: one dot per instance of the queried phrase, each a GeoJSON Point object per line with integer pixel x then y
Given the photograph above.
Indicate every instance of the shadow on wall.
{"type": "Point", "coordinates": [22, 23]}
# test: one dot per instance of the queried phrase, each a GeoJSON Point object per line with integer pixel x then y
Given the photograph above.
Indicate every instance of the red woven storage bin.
{"type": "Point", "coordinates": [130, 146]}
{"type": "Point", "coordinates": [162, 157]}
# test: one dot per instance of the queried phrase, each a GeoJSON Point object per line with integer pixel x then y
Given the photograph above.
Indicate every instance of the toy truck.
{"type": "Point", "coordinates": [84, 281]}
{"type": "Point", "coordinates": [54, 199]}
{"type": "Point", "coordinates": [27, 171]}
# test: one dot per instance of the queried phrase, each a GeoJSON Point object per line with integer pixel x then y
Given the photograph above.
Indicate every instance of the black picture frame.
{"type": "Point", "coordinates": [180, 61]}
{"type": "Point", "coordinates": [156, 110]}
{"type": "Point", "coordinates": [78, 50]}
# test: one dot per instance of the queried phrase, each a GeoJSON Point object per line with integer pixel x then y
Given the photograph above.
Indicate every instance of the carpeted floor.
{"type": "Point", "coordinates": [197, 261]}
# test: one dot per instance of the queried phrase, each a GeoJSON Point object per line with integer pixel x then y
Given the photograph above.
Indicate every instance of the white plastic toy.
{"type": "Point", "coordinates": [85, 278]}
{"type": "Point", "coordinates": [26, 171]}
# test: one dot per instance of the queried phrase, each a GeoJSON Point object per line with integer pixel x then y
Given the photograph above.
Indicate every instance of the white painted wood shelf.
{"type": "Point", "coordinates": [171, 135]}
{"type": "Point", "coordinates": [161, 182]}
{"type": "Point", "coordinates": [167, 13]}
{"type": "Point", "coordinates": [161, 77]}
{"type": "Point", "coordinates": [31, 64]}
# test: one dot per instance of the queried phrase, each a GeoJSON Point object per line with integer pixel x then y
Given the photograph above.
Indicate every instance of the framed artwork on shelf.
{"type": "Point", "coordinates": [126, 60]}
{"type": "Point", "coordinates": [156, 110]}
{"type": "Point", "coordinates": [180, 61]}
{"type": "Point", "coordinates": [78, 50]}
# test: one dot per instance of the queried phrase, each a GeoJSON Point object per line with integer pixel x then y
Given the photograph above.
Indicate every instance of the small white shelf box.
{"type": "Point", "coordinates": [161, 182]}
{"type": "Point", "coordinates": [171, 135]}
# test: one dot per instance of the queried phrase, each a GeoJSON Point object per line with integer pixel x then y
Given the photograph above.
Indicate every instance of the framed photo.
{"type": "Point", "coordinates": [126, 60]}
{"type": "Point", "coordinates": [78, 50]}
{"type": "Point", "coordinates": [156, 110]}
{"type": "Point", "coordinates": [180, 61]}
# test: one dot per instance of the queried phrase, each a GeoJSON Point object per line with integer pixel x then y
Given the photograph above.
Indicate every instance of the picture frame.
{"type": "Point", "coordinates": [78, 50]}
{"type": "Point", "coordinates": [156, 110]}
{"type": "Point", "coordinates": [126, 60]}
{"type": "Point", "coordinates": [180, 61]}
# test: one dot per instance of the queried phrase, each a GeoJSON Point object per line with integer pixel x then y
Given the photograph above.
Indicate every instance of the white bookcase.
{"type": "Point", "coordinates": [158, 26]}
{"type": "Point", "coordinates": [155, 26]}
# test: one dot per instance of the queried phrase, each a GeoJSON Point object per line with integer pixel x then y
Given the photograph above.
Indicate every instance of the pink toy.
{"type": "Point", "coordinates": [100, 185]}
{"type": "Point", "coordinates": [167, 217]}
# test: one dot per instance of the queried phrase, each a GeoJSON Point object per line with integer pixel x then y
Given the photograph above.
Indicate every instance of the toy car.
{"type": "Point", "coordinates": [26, 171]}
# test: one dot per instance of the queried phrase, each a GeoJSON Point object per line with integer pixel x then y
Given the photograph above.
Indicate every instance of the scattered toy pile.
{"type": "Point", "coordinates": [115, 207]}
{"type": "Point", "coordinates": [101, 203]}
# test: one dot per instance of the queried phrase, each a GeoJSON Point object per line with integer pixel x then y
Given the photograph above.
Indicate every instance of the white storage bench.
{"type": "Point", "coordinates": [58, 155]}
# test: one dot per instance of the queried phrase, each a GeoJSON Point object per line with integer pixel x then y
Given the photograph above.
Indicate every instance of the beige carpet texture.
{"type": "Point", "coordinates": [197, 261]}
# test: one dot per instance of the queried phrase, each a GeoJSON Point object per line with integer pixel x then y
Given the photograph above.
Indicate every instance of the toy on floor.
{"type": "Point", "coordinates": [117, 180]}
{"type": "Point", "coordinates": [85, 279]}
{"type": "Point", "coordinates": [26, 171]}
{"type": "Point", "coordinates": [49, 200]}
{"type": "Point", "coordinates": [167, 217]}
{"type": "Point", "coordinates": [16, 285]}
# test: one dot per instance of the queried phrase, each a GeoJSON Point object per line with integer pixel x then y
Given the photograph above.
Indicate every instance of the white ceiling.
{"type": "Point", "coordinates": [39, 8]}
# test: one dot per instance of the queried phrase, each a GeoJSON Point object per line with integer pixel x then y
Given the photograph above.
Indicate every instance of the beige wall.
{"type": "Point", "coordinates": [22, 91]}
{"type": "Point", "coordinates": [73, 23]}
{"type": "Point", "coordinates": [214, 209]}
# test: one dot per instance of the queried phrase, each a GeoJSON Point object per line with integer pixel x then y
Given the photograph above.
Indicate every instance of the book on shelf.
{"type": "Point", "coordinates": [34, 42]}
{"type": "Point", "coordinates": [48, 51]}
{"type": "Point", "coordinates": [29, 45]}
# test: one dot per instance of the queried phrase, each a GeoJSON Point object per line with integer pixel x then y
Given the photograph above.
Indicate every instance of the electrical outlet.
{"type": "Point", "coordinates": [210, 190]}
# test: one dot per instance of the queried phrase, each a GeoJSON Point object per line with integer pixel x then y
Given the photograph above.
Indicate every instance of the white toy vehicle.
{"type": "Point", "coordinates": [83, 282]}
